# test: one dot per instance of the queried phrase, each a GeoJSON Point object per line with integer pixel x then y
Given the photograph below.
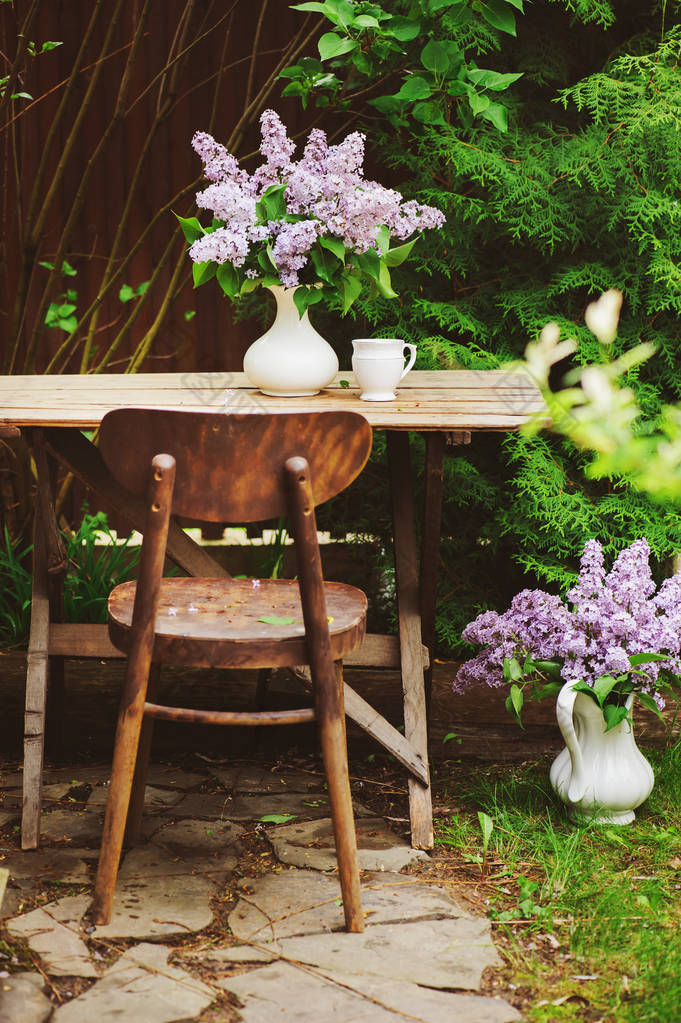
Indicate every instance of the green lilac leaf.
{"type": "Point", "coordinates": [614, 716]}
{"type": "Point", "coordinates": [429, 113]}
{"type": "Point", "coordinates": [435, 57]}
{"type": "Point", "coordinates": [351, 287]}
{"type": "Point", "coordinates": [332, 45]}
{"type": "Point", "coordinates": [191, 228]}
{"type": "Point", "coordinates": [401, 28]}
{"type": "Point", "coordinates": [228, 279]}
{"type": "Point", "coordinates": [334, 245]}
{"type": "Point", "coordinates": [498, 115]}
{"type": "Point", "coordinates": [414, 88]}
{"type": "Point", "coordinates": [497, 14]}
{"type": "Point", "coordinates": [396, 256]}
{"type": "Point", "coordinates": [649, 703]}
{"type": "Point", "coordinates": [492, 79]}
{"type": "Point", "coordinates": [202, 272]}
{"type": "Point", "coordinates": [635, 659]}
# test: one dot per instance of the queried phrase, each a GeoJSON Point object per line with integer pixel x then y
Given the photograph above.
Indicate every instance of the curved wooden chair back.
{"type": "Point", "coordinates": [230, 466]}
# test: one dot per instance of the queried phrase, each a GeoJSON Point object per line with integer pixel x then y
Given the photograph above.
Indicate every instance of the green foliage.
{"type": "Point", "coordinates": [93, 571]}
{"type": "Point", "coordinates": [61, 312]}
{"type": "Point", "coordinates": [15, 592]}
{"type": "Point", "coordinates": [579, 195]}
{"type": "Point", "coordinates": [379, 45]}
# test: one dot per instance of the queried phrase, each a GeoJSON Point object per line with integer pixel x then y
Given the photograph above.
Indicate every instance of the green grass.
{"type": "Point", "coordinates": [580, 901]}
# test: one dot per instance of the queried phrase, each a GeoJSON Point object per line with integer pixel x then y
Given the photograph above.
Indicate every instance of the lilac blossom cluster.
{"type": "Point", "coordinates": [325, 191]}
{"type": "Point", "coordinates": [607, 618]}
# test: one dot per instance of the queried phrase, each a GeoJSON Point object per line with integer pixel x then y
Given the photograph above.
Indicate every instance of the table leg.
{"type": "Point", "coordinates": [407, 585]}
{"type": "Point", "coordinates": [36, 692]}
{"type": "Point", "coordinates": [430, 550]}
{"type": "Point", "coordinates": [56, 573]}
{"type": "Point", "coordinates": [45, 675]}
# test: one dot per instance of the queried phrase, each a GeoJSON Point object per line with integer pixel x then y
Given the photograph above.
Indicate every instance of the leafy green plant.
{"type": "Point", "coordinates": [375, 45]}
{"type": "Point", "coordinates": [95, 568]}
{"type": "Point", "coordinates": [15, 591]}
{"type": "Point", "coordinates": [269, 557]}
{"type": "Point", "coordinates": [486, 827]}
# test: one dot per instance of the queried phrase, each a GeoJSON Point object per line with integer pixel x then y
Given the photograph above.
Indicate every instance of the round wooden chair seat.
{"type": "Point", "coordinates": [225, 623]}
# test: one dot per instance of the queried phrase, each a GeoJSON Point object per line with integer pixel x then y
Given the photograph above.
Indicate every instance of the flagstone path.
{"type": "Point", "coordinates": [285, 954]}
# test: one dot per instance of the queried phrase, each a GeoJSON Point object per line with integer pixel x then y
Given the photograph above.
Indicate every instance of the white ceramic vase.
{"type": "Point", "coordinates": [291, 359]}
{"type": "Point", "coordinates": [601, 775]}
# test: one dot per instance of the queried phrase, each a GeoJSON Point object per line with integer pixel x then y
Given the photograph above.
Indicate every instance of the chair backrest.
{"type": "Point", "coordinates": [230, 466]}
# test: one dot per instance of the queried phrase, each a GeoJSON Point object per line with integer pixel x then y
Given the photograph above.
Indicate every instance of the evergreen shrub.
{"type": "Point", "coordinates": [580, 194]}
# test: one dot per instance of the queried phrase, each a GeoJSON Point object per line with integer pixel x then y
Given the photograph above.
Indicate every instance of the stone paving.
{"type": "Point", "coordinates": [287, 958]}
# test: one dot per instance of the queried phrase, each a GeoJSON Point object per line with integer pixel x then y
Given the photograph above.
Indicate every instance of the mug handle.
{"type": "Point", "coordinates": [412, 358]}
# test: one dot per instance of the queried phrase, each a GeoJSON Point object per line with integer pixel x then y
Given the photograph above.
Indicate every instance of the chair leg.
{"type": "Point", "coordinates": [133, 827]}
{"type": "Point", "coordinates": [331, 723]}
{"type": "Point", "coordinates": [122, 772]}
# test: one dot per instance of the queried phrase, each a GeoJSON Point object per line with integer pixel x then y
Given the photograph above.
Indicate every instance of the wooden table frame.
{"type": "Point", "coordinates": [447, 406]}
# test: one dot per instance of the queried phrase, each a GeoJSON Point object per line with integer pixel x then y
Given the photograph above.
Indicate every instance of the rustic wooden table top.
{"type": "Point", "coordinates": [441, 400]}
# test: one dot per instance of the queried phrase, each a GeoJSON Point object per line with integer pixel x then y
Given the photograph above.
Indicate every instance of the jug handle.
{"type": "Point", "coordinates": [564, 708]}
{"type": "Point", "coordinates": [412, 358]}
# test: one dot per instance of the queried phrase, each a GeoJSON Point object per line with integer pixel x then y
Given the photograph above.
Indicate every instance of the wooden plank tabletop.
{"type": "Point", "coordinates": [426, 400]}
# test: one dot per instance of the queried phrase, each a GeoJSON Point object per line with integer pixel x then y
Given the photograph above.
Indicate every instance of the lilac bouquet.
{"type": "Point", "coordinates": [614, 636]}
{"type": "Point", "coordinates": [316, 225]}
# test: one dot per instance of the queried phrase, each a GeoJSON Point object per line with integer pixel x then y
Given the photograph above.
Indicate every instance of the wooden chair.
{"type": "Point", "coordinates": [218, 467]}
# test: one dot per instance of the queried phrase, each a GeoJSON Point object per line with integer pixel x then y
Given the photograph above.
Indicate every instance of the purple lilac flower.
{"type": "Point", "coordinates": [221, 246]}
{"type": "Point", "coordinates": [289, 252]}
{"type": "Point", "coordinates": [607, 618]}
{"type": "Point", "coordinates": [326, 187]}
{"type": "Point", "coordinates": [228, 202]}
{"type": "Point", "coordinates": [218, 164]}
{"type": "Point", "coordinates": [276, 146]}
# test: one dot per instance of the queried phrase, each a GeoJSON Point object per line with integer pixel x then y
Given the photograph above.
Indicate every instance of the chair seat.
{"type": "Point", "coordinates": [218, 623]}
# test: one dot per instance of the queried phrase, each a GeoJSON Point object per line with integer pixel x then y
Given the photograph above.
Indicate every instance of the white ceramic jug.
{"type": "Point", "coordinates": [378, 365]}
{"type": "Point", "coordinates": [602, 775]}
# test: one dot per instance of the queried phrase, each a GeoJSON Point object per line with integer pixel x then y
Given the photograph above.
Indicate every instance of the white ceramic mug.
{"type": "Point", "coordinates": [378, 365]}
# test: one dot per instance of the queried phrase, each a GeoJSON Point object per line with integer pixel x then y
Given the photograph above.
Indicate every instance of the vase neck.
{"type": "Point", "coordinates": [287, 312]}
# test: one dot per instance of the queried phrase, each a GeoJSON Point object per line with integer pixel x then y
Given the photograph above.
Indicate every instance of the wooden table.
{"type": "Point", "coordinates": [446, 406]}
